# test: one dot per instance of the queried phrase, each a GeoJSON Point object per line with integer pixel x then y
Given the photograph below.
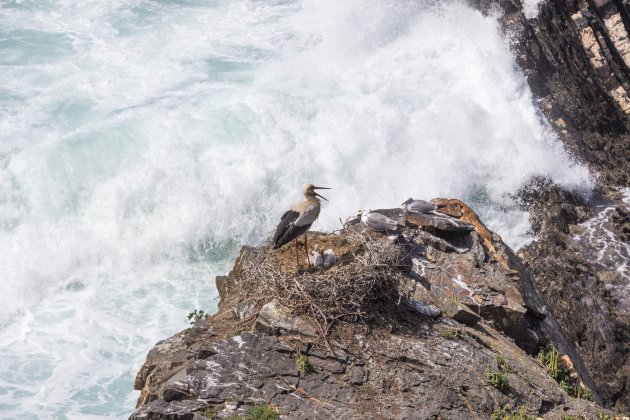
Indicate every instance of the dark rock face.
{"type": "Point", "coordinates": [403, 378]}
{"type": "Point", "coordinates": [576, 57]}
{"type": "Point", "coordinates": [576, 265]}
{"type": "Point", "coordinates": [468, 288]}
{"type": "Point", "coordinates": [414, 364]}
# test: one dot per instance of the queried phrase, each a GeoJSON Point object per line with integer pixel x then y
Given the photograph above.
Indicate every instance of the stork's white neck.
{"type": "Point", "coordinates": [312, 199]}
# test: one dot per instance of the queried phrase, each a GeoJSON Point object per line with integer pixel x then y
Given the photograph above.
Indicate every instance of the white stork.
{"type": "Point", "coordinates": [298, 220]}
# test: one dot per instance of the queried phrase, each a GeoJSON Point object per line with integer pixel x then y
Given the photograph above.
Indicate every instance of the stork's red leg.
{"type": "Point", "coordinates": [297, 258]}
{"type": "Point", "coordinates": [308, 256]}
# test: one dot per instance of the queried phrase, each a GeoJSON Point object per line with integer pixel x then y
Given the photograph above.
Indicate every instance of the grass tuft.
{"type": "Point", "coordinates": [451, 333]}
{"type": "Point", "coordinates": [209, 412]}
{"type": "Point", "coordinates": [263, 412]}
{"type": "Point", "coordinates": [550, 358]}
{"type": "Point", "coordinates": [233, 333]}
{"type": "Point", "coordinates": [507, 413]}
{"type": "Point", "coordinates": [304, 366]}
{"type": "Point", "coordinates": [498, 376]}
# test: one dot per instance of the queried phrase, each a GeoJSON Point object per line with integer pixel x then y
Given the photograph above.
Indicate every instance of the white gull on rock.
{"type": "Point", "coordinates": [377, 221]}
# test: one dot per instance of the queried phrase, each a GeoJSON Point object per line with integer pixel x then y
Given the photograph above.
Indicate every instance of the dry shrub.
{"type": "Point", "coordinates": [365, 285]}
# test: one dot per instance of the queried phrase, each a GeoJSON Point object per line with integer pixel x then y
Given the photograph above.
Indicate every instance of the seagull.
{"type": "Point", "coordinates": [298, 220]}
{"type": "Point", "coordinates": [377, 221]}
{"type": "Point", "coordinates": [417, 206]}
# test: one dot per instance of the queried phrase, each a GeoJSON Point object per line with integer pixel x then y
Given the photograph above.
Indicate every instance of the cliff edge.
{"type": "Point", "coordinates": [436, 320]}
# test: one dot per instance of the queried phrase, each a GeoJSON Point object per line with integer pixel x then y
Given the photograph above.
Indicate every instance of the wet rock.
{"type": "Point", "coordinates": [575, 56]}
{"type": "Point", "coordinates": [575, 265]}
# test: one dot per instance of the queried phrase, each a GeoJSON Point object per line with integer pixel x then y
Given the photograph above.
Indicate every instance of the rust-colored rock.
{"type": "Point", "coordinates": [462, 211]}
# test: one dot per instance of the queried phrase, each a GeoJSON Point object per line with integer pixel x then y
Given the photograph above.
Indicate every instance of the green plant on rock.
{"type": "Point", "coordinates": [604, 416]}
{"type": "Point", "coordinates": [451, 333]}
{"type": "Point", "coordinates": [502, 363]}
{"type": "Point", "coordinates": [584, 393]}
{"type": "Point", "coordinates": [498, 377]}
{"type": "Point", "coordinates": [525, 378]}
{"type": "Point", "coordinates": [196, 315]}
{"type": "Point", "coordinates": [304, 366]}
{"type": "Point", "coordinates": [263, 412]}
{"type": "Point", "coordinates": [550, 358]}
{"type": "Point", "coordinates": [507, 413]}
{"type": "Point", "coordinates": [209, 412]}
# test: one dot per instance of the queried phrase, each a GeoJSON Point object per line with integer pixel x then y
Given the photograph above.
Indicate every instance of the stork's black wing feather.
{"type": "Point", "coordinates": [286, 230]}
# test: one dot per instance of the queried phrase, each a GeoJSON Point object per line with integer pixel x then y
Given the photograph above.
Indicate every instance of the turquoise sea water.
{"type": "Point", "coordinates": [142, 142]}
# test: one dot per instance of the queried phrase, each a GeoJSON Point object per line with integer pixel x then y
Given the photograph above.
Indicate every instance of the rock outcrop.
{"type": "Point", "coordinates": [579, 264]}
{"type": "Point", "coordinates": [450, 333]}
{"type": "Point", "coordinates": [575, 55]}
{"type": "Point", "coordinates": [465, 300]}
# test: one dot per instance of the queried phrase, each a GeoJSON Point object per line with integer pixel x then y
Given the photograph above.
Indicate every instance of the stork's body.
{"type": "Point", "coordinates": [298, 220]}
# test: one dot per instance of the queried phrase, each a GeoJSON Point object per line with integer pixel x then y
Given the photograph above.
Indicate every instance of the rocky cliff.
{"type": "Point", "coordinates": [438, 320]}
{"type": "Point", "coordinates": [455, 334]}
{"type": "Point", "coordinates": [576, 56]}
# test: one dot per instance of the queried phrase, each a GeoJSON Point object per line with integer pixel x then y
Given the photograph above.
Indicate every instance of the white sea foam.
{"type": "Point", "coordinates": [531, 8]}
{"type": "Point", "coordinates": [600, 244]}
{"type": "Point", "coordinates": [141, 142]}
